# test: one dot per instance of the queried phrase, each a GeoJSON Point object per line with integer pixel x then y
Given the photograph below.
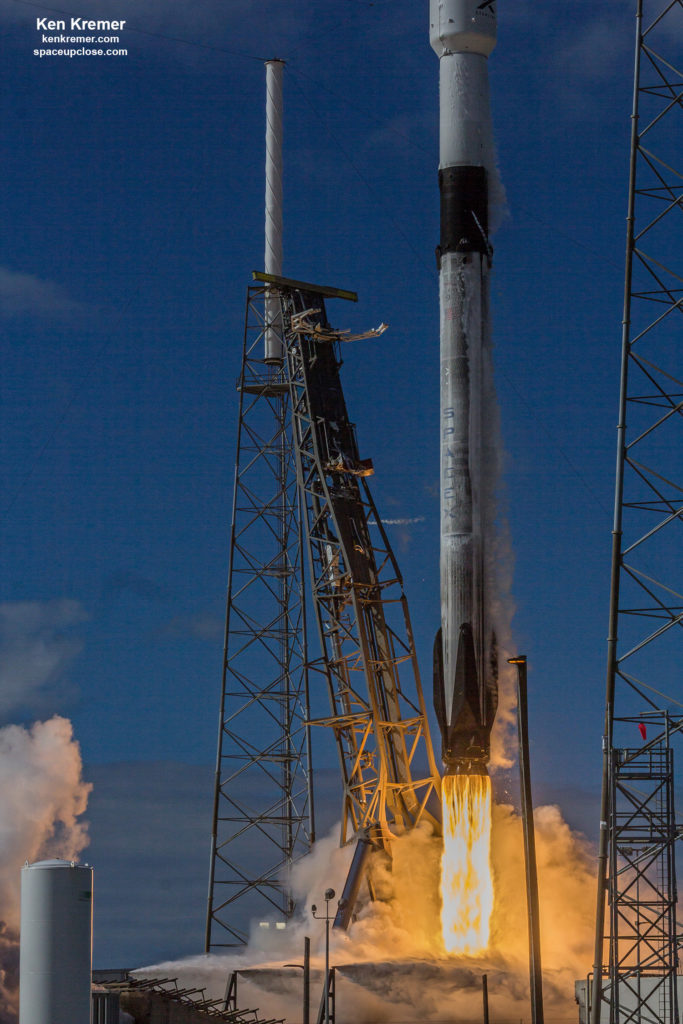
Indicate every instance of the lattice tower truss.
{"type": "Point", "coordinates": [263, 814]}
{"type": "Point", "coordinates": [315, 498]}
{"type": "Point", "coordinates": [636, 947]}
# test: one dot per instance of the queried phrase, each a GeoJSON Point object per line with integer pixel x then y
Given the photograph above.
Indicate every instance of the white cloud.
{"type": "Point", "coordinates": [597, 53]}
{"type": "Point", "coordinates": [24, 295]}
{"type": "Point", "coordinates": [591, 48]}
{"type": "Point", "coordinates": [37, 644]}
{"type": "Point", "coordinates": [202, 626]}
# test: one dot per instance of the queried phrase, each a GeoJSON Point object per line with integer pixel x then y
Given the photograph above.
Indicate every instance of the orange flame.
{"type": "Point", "coordinates": [466, 882]}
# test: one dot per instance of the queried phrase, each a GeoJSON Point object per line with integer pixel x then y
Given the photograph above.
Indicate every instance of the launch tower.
{"type": "Point", "coordinates": [636, 949]}
{"type": "Point", "coordinates": [263, 814]}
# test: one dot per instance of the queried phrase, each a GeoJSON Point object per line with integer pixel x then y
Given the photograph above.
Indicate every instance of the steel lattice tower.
{"type": "Point", "coordinates": [634, 976]}
{"type": "Point", "coordinates": [300, 486]}
{"type": "Point", "coordinates": [263, 801]}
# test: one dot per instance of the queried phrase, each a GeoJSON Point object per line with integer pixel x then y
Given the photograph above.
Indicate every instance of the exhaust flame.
{"type": "Point", "coordinates": [466, 882]}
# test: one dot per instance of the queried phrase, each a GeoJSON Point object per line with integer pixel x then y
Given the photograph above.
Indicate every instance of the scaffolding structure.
{"type": "Point", "coordinates": [642, 882]}
{"type": "Point", "coordinates": [263, 814]}
{"type": "Point", "coordinates": [636, 955]}
{"type": "Point", "coordinates": [302, 508]}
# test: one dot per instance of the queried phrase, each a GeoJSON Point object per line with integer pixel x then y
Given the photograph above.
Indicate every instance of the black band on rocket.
{"type": "Point", "coordinates": [464, 209]}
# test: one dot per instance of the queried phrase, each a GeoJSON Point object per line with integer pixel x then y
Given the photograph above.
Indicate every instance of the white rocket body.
{"type": "Point", "coordinates": [463, 33]}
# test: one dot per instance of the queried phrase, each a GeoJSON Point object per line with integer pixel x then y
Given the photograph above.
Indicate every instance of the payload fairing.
{"type": "Point", "coordinates": [463, 34]}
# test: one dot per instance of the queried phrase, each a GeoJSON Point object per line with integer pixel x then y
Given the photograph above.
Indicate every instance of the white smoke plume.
{"type": "Point", "coordinates": [391, 965]}
{"type": "Point", "coordinates": [42, 795]}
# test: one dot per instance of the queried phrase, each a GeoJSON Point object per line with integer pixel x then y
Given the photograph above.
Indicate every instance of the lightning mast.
{"type": "Point", "coordinates": [263, 817]}
{"type": "Point", "coordinates": [636, 945]}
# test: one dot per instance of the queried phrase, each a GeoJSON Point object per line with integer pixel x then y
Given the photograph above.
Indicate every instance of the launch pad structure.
{"type": "Point", "coordinates": [303, 508]}
{"type": "Point", "coordinates": [304, 521]}
{"type": "Point", "coordinates": [302, 550]}
{"type": "Point", "coordinates": [306, 545]}
{"type": "Point", "coordinates": [637, 941]}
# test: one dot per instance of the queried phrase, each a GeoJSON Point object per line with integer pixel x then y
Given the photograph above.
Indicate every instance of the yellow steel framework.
{"type": "Point", "coordinates": [368, 656]}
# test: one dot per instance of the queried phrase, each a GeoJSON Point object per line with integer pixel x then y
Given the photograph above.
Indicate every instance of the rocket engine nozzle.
{"type": "Point", "coordinates": [466, 767]}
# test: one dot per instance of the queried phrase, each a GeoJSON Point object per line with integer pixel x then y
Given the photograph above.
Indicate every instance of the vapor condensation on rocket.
{"type": "Point", "coordinates": [463, 34]}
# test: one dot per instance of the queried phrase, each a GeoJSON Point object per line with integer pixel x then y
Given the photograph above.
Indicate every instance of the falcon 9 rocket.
{"type": "Point", "coordinates": [463, 34]}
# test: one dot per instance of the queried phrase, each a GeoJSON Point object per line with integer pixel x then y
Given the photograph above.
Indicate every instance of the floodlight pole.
{"type": "Point", "coordinates": [535, 970]}
{"type": "Point", "coordinates": [329, 895]}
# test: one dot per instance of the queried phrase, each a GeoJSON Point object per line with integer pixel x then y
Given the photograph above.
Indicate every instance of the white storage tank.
{"type": "Point", "coordinates": [55, 968]}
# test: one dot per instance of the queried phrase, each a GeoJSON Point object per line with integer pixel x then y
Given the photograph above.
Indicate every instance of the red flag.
{"type": "Point", "coordinates": [642, 730]}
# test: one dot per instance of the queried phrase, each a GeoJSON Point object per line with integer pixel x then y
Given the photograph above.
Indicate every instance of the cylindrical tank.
{"type": "Point", "coordinates": [56, 943]}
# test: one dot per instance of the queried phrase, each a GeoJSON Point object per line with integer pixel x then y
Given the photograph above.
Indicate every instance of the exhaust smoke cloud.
{"type": "Point", "coordinates": [392, 965]}
{"type": "Point", "coordinates": [42, 795]}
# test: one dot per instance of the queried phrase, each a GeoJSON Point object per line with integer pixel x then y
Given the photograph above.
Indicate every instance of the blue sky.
{"type": "Point", "coordinates": [132, 210]}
